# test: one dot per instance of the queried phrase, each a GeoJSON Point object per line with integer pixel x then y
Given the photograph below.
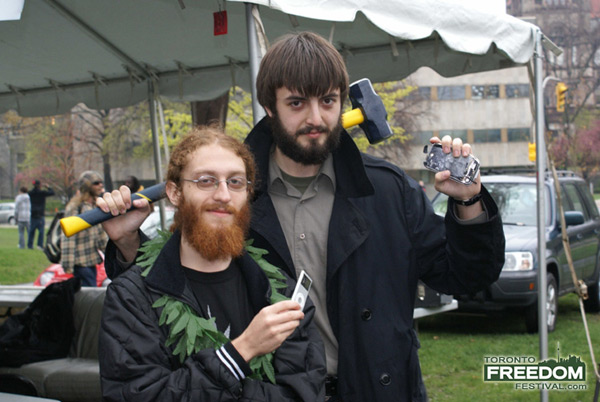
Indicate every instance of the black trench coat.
{"type": "Point", "coordinates": [383, 237]}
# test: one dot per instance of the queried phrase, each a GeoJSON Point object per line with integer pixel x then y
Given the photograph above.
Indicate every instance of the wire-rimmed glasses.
{"type": "Point", "coordinates": [211, 183]}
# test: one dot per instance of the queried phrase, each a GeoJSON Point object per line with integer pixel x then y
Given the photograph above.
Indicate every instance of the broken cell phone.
{"type": "Point", "coordinates": [463, 169]}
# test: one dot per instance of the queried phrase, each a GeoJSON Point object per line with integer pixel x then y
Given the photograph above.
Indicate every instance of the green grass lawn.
{"type": "Point", "coordinates": [18, 265]}
{"type": "Point", "coordinates": [453, 347]}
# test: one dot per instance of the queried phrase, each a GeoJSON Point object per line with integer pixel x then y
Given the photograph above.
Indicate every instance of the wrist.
{"type": "Point", "coordinates": [473, 200]}
{"type": "Point", "coordinates": [128, 245]}
{"type": "Point", "coordinates": [242, 348]}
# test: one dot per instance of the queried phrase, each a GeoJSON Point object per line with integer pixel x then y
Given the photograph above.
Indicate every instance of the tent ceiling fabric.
{"type": "Point", "coordinates": [48, 63]}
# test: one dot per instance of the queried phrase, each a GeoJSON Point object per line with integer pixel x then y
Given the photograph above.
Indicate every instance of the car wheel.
{"type": "Point", "coordinates": [531, 312]}
{"type": "Point", "coordinates": [592, 304]}
{"type": "Point", "coordinates": [12, 221]}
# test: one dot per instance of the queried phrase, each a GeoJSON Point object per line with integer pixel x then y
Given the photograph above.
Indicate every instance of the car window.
{"type": "Point", "coordinates": [517, 203]}
{"type": "Point", "coordinates": [575, 200]}
{"type": "Point", "coordinates": [589, 200]}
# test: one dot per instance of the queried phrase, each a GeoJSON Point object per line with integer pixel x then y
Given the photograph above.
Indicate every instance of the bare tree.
{"type": "Point", "coordinates": [573, 29]}
{"type": "Point", "coordinates": [107, 134]}
{"type": "Point", "coordinates": [49, 153]}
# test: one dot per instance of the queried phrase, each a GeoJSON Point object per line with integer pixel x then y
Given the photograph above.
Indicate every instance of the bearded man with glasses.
{"type": "Point", "coordinates": [230, 334]}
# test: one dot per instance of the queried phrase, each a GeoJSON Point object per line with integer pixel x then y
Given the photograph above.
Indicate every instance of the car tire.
{"type": "Point", "coordinates": [12, 221]}
{"type": "Point", "coordinates": [531, 312]}
{"type": "Point", "coordinates": [592, 304]}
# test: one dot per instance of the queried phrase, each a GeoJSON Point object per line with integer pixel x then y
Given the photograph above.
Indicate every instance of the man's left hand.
{"type": "Point", "coordinates": [458, 191]}
{"type": "Point", "coordinates": [443, 183]}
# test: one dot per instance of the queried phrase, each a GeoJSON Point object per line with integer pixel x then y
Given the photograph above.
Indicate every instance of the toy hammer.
{"type": "Point", "coordinates": [368, 112]}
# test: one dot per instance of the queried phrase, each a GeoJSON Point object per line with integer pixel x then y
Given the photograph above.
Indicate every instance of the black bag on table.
{"type": "Point", "coordinates": [43, 331]}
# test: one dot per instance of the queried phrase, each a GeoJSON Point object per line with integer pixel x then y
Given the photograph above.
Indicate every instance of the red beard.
{"type": "Point", "coordinates": [213, 243]}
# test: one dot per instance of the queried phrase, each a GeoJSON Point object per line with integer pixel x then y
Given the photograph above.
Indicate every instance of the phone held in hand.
{"type": "Point", "coordinates": [463, 169]}
{"type": "Point", "coordinates": [302, 288]}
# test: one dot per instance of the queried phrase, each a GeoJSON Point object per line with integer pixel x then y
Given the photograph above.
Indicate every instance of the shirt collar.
{"type": "Point", "coordinates": [275, 176]}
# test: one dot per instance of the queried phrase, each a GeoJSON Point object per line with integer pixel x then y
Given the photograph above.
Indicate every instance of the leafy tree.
{"type": "Point", "coordinates": [587, 150]}
{"type": "Point", "coordinates": [581, 153]}
{"type": "Point", "coordinates": [178, 121]}
{"type": "Point", "coordinates": [402, 113]}
{"type": "Point", "coordinates": [239, 118]}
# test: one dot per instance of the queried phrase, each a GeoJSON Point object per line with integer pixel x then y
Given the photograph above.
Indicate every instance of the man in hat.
{"type": "Point", "coordinates": [79, 253]}
{"type": "Point", "coordinates": [37, 197]}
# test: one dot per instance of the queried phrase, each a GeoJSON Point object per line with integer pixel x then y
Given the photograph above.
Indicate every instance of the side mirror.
{"type": "Point", "coordinates": [573, 218]}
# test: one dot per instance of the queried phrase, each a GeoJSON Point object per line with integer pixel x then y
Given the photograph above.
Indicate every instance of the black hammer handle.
{"type": "Point", "coordinates": [75, 224]}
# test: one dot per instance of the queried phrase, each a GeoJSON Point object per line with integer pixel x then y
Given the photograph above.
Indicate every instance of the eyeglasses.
{"type": "Point", "coordinates": [211, 183]}
{"type": "Point", "coordinates": [97, 183]}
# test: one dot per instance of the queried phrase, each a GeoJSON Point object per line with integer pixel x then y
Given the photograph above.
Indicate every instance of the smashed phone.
{"type": "Point", "coordinates": [463, 169]}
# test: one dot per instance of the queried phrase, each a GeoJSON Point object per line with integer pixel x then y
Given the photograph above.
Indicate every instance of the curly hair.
{"type": "Point", "coordinates": [207, 135]}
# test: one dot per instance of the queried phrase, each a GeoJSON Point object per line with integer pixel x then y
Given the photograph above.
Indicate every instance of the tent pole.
{"type": "Point", "coordinates": [540, 161]}
{"type": "Point", "coordinates": [254, 62]}
{"type": "Point", "coordinates": [156, 148]}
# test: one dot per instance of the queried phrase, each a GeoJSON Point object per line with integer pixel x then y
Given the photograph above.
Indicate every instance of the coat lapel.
{"type": "Point", "coordinates": [348, 229]}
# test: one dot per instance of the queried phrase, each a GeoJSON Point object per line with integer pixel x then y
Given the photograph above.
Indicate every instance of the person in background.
{"type": "Point", "coordinates": [133, 183]}
{"type": "Point", "coordinates": [37, 221]}
{"type": "Point", "coordinates": [79, 253]}
{"type": "Point", "coordinates": [22, 214]}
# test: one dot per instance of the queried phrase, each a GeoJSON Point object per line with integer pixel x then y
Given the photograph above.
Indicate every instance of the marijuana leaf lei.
{"type": "Point", "coordinates": [192, 333]}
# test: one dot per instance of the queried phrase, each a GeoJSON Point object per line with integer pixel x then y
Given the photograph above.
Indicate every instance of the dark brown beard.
{"type": "Point", "coordinates": [315, 154]}
{"type": "Point", "coordinates": [213, 243]}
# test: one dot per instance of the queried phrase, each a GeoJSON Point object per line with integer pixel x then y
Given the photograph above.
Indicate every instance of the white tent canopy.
{"type": "Point", "coordinates": [62, 52]}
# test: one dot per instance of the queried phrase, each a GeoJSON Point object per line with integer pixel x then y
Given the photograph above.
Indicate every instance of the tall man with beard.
{"type": "Point", "coordinates": [204, 270]}
{"type": "Point", "coordinates": [361, 227]}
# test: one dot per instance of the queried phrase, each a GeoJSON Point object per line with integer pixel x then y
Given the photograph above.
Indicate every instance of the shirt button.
{"type": "Point", "coordinates": [366, 314]}
{"type": "Point", "coordinates": [385, 379]}
{"type": "Point", "coordinates": [302, 236]}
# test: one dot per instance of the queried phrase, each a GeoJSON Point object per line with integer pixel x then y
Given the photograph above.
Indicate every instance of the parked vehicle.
{"type": "Point", "coordinates": [7, 213]}
{"type": "Point", "coordinates": [517, 286]}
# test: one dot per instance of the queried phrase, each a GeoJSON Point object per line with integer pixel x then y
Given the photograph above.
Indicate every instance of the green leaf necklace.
{"type": "Point", "coordinates": [191, 333]}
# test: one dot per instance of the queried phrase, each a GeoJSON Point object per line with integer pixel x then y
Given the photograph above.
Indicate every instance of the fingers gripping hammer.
{"type": "Point", "coordinates": [368, 112]}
